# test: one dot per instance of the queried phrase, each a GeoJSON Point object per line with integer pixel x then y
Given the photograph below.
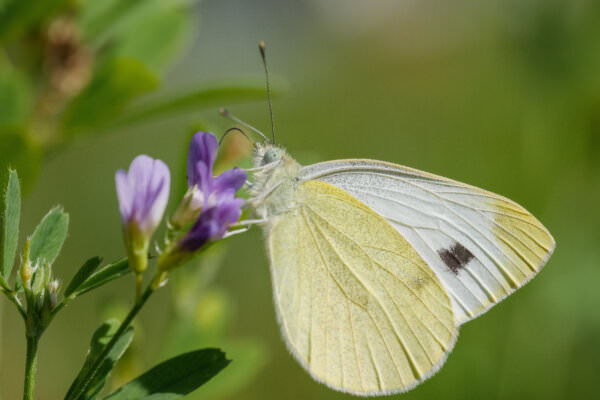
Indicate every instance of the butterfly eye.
{"type": "Point", "coordinates": [271, 155]}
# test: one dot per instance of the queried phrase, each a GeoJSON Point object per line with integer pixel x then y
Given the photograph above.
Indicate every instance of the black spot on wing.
{"type": "Point", "coordinates": [455, 257]}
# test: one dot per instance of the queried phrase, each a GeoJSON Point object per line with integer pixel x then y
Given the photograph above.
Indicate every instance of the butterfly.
{"type": "Point", "coordinates": [375, 265]}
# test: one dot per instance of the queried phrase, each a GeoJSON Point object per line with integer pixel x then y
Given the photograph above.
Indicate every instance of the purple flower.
{"type": "Point", "coordinates": [213, 222]}
{"type": "Point", "coordinates": [210, 203]}
{"type": "Point", "coordinates": [143, 193]}
{"type": "Point", "coordinates": [205, 191]}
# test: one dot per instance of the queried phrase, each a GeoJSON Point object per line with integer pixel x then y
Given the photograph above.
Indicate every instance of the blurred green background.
{"type": "Point", "coordinates": [504, 95]}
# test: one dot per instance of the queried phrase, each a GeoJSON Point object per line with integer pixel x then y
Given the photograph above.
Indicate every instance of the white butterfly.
{"type": "Point", "coordinates": [376, 265]}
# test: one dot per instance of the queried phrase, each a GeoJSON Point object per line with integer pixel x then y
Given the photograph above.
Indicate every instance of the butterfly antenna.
{"type": "Point", "coordinates": [234, 129]}
{"type": "Point", "coordinates": [224, 112]}
{"type": "Point", "coordinates": [261, 47]}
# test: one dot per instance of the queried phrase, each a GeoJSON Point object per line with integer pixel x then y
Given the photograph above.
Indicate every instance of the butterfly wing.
{"type": "Point", "coordinates": [481, 245]}
{"type": "Point", "coordinates": [359, 308]}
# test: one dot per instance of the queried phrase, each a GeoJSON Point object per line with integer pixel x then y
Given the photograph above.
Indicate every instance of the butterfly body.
{"type": "Point", "coordinates": [376, 265]}
{"type": "Point", "coordinates": [273, 189]}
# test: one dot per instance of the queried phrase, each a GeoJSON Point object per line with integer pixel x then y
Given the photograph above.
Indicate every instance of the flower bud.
{"type": "Point", "coordinates": [52, 289]}
{"type": "Point", "coordinates": [26, 269]}
{"type": "Point", "coordinates": [143, 193]}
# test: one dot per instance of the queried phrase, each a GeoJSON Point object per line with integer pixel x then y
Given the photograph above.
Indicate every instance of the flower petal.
{"type": "Point", "coordinates": [203, 149]}
{"type": "Point", "coordinates": [230, 180]}
{"type": "Point", "coordinates": [125, 195]}
{"type": "Point", "coordinates": [139, 176]}
{"type": "Point", "coordinates": [203, 230]}
{"type": "Point", "coordinates": [204, 180]}
{"type": "Point", "coordinates": [158, 194]}
{"type": "Point", "coordinates": [229, 213]}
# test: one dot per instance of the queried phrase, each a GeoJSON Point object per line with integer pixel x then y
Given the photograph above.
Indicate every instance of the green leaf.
{"type": "Point", "coordinates": [112, 88]}
{"type": "Point", "coordinates": [100, 16]}
{"type": "Point", "coordinates": [82, 274]}
{"type": "Point", "coordinates": [194, 100]}
{"type": "Point", "coordinates": [9, 224]}
{"type": "Point", "coordinates": [49, 236]}
{"type": "Point", "coordinates": [174, 378]}
{"type": "Point", "coordinates": [166, 28]}
{"type": "Point", "coordinates": [91, 11]}
{"type": "Point", "coordinates": [104, 275]}
{"type": "Point", "coordinates": [250, 358]}
{"type": "Point", "coordinates": [100, 339]}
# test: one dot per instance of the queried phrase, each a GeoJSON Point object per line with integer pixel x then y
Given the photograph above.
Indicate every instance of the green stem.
{"type": "Point", "coordinates": [87, 379]}
{"type": "Point", "coordinates": [30, 367]}
{"type": "Point", "coordinates": [138, 285]}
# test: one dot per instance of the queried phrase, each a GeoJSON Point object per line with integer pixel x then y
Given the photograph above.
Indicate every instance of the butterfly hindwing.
{"type": "Point", "coordinates": [359, 307]}
{"type": "Point", "coordinates": [482, 246]}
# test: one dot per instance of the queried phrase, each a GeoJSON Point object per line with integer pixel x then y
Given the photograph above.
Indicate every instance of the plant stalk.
{"type": "Point", "coordinates": [140, 301]}
{"type": "Point", "coordinates": [30, 367]}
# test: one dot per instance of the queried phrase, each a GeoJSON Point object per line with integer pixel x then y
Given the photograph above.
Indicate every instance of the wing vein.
{"type": "Point", "coordinates": [411, 261]}
{"type": "Point", "coordinates": [316, 244]}
{"type": "Point", "coordinates": [406, 286]}
{"type": "Point", "coordinates": [364, 309]}
{"type": "Point", "coordinates": [545, 248]}
{"type": "Point", "coordinates": [377, 373]}
{"type": "Point", "coordinates": [398, 335]}
{"type": "Point", "coordinates": [522, 242]}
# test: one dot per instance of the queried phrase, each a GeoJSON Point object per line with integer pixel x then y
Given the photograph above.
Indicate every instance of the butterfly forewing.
{"type": "Point", "coordinates": [482, 246]}
{"type": "Point", "coordinates": [359, 307]}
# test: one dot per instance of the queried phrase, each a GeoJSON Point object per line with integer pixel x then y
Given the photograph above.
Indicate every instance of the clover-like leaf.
{"type": "Point", "coordinates": [49, 236]}
{"type": "Point", "coordinates": [82, 274]}
{"type": "Point", "coordinates": [9, 224]}
{"type": "Point", "coordinates": [100, 339]}
{"type": "Point", "coordinates": [174, 378]}
{"type": "Point", "coordinates": [104, 275]}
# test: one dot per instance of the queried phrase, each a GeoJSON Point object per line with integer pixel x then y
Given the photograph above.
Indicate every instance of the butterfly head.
{"type": "Point", "coordinates": [269, 154]}
{"type": "Point", "coordinates": [272, 154]}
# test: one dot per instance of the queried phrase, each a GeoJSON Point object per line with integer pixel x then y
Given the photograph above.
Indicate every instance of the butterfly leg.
{"type": "Point", "coordinates": [236, 232]}
{"type": "Point", "coordinates": [248, 222]}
